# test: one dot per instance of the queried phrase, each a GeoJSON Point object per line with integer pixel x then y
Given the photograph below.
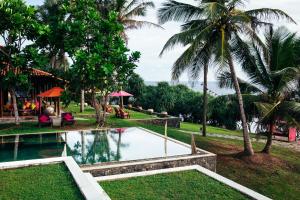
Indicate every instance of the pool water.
{"type": "Point", "coordinates": [89, 147]}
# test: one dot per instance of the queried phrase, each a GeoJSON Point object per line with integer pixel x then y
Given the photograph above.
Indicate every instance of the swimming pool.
{"type": "Point", "coordinates": [92, 146]}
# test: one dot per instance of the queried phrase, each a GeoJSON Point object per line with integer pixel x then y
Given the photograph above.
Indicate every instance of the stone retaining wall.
{"type": "Point", "coordinates": [173, 122]}
{"type": "Point", "coordinates": [207, 161]}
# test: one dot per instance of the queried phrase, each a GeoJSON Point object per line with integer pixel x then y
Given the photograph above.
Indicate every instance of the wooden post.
{"type": "Point", "coordinates": [193, 145]}
{"type": "Point", "coordinates": [1, 102]}
{"type": "Point", "coordinates": [166, 128]}
{"type": "Point", "coordinates": [58, 107]}
{"type": "Point", "coordinates": [40, 106]}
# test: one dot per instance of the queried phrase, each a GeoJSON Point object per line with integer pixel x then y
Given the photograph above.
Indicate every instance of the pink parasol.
{"type": "Point", "coordinates": [120, 94]}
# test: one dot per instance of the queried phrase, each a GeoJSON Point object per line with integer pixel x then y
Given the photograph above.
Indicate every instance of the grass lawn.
{"type": "Point", "coordinates": [75, 109]}
{"type": "Point", "coordinates": [276, 176]}
{"type": "Point", "coordinates": [32, 127]}
{"type": "Point", "coordinates": [210, 129]}
{"type": "Point", "coordinates": [47, 182]}
{"type": "Point", "coordinates": [180, 185]}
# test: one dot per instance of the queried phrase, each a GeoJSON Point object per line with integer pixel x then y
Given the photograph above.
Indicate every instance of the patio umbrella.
{"type": "Point", "coordinates": [55, 92]}
{"type": "Point", "coordinates": [121, 94]}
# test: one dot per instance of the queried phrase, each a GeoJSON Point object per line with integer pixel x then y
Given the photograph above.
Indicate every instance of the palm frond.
{"type": "Point", "coordinates": [177, 11]}
{"type": "Point", "coordinates": [130, 24]}
{"type": "Point", "coordinates": [185, 38]}
{"type": "Point", "coordinates": [139, 10]}
{"type": "Point", "coordinates": [270, 14]}
{"type": "Point", "coordinates": [225, 81]}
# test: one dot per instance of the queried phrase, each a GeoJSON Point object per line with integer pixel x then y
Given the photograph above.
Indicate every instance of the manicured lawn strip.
{"type": "Point", "coordinates": [75, 109]}
{"type": "Point", "coordinates": [32, 127]}
{"type": "Point", "coordinates": [139, 115]}
{"type": "Point", "coordinates": [88, 110]}
{"type": "Point", "coordinates": [180, 185]}
{"type": "Point", "coordinates": [47, 182]}
{"type": "Point", "coordinates": [210, 129]}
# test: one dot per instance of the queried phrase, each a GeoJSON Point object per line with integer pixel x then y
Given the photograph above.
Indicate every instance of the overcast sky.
{"type": "Point", "coordinates": [149, 41]}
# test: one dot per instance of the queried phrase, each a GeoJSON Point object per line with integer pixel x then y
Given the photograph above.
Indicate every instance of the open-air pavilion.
{"type": "Point", "coordinates": [28, 103]}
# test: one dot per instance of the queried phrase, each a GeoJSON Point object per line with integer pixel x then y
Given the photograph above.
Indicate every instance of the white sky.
{"type": "Point", "coordinates": [149, 41]}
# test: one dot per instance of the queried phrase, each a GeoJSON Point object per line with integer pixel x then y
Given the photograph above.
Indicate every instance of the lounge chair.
{"type": "Point", "coordinates": [117, 112]}
{"type": "Point", "coordinates": [67, 118]}
{"type": "Point", "coordinates": [45, 120]}
{"type": "Point", "coordinates": [124, 114]}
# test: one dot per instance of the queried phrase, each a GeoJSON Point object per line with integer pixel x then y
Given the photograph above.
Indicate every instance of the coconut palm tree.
{"type": "Point", "coordinates": [215, 28]}
{"type": "Point", "coordinates": [273, 77]}
{"type": "Point", "coordinates": [128, 12]}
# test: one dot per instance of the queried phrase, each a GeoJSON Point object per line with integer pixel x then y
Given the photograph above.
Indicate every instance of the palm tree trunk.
{"type": "Point", "coordinates": [248, 149]}
{"type": "Point", "coordinates": [204, 100]}
{"type": "Point", "coordinates": [268, 145]}
{"type": "Point", "coordinates": [15, 106]}
{"type": "Point", "coordinates": [82, 101]}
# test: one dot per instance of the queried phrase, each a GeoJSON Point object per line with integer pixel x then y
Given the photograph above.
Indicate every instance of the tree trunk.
{"type": "Point", "coordinates": [82, 101]}
{"type": "Point", "coordinates": [268, 145]}
{"type": "Point", "coordinates": [97, 109]}
{"type": "Point", "coordinates": [248, 149]}
{"type": "Point", "coordinates": [104, 108]}
{"type": "Point", "coordinates": [15, 106]}
{"type": "Point", "coordinates": [205, 100]}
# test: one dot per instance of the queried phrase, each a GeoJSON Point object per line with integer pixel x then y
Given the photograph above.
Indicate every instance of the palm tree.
{"type": "Point", "coordinates": [273, 77]}
{"type": "Point", "coordinates": [216, 27]}
{"type": "Point", "coordinates": [128, 11]}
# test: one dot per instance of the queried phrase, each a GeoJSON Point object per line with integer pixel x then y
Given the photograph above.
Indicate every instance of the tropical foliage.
{"type": "Point", "coordinates": [273, 76]}
{"type": "Point", "coordinates": [214, 31]}
{"type": "Point", "coordinates": [128, 12]}
{"type": "Point", "coordinates": [18, 25]}
{"type": "Point", "coordinates": [102, 61]}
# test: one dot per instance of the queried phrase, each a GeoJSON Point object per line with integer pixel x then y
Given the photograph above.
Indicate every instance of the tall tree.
{"type": "Point", "coordinates": [18, 26]}
{"type": "Point", "coordinates": [101, 59]}
{"type": "Point", "coordinates": [214, 28]}
{"type": "Point", "coordinates": [53, 44]}
{"type": "Point", "coordinates": [273, 77]}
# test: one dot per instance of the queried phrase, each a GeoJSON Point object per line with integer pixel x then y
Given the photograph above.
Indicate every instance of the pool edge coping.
{"type": "Point", "coordinates": [240, 188]}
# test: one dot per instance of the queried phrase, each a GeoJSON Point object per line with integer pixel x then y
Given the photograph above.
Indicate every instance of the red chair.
{"type": "Point", "coordinates": [67, 118]}
{"type": "Point", "coordinates": [44, 120]}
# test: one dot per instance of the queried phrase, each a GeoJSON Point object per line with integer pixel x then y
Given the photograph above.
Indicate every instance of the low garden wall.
{"type": "Point", "coordinates": [207, 161]}
{"type": "Point", "coordinates": [173, 122]}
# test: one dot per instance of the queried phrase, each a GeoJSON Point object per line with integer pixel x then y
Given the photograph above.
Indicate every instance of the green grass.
{"type": "Point", "coordinates": [276, 176]}
{"type": "Point", "coordinates": [75, 109]}
{"type": "Point", "coordinates": [48, 182]}
{"type": "Point", "coordinates": [210, 129]}
{"type": "Point", "coordinates": [180, 185]}
{"type": "Point", "coordinates": [139, 115]}
{"type": "Point", "coordinates": [32, 127]}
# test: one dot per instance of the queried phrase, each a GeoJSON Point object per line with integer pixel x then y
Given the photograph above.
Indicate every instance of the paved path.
{"type": "Point", "coordinates": [291, 145]}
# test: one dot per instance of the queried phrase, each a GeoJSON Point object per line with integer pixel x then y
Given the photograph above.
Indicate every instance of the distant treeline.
{"type": "Point", "coordinates": [179, 99]}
